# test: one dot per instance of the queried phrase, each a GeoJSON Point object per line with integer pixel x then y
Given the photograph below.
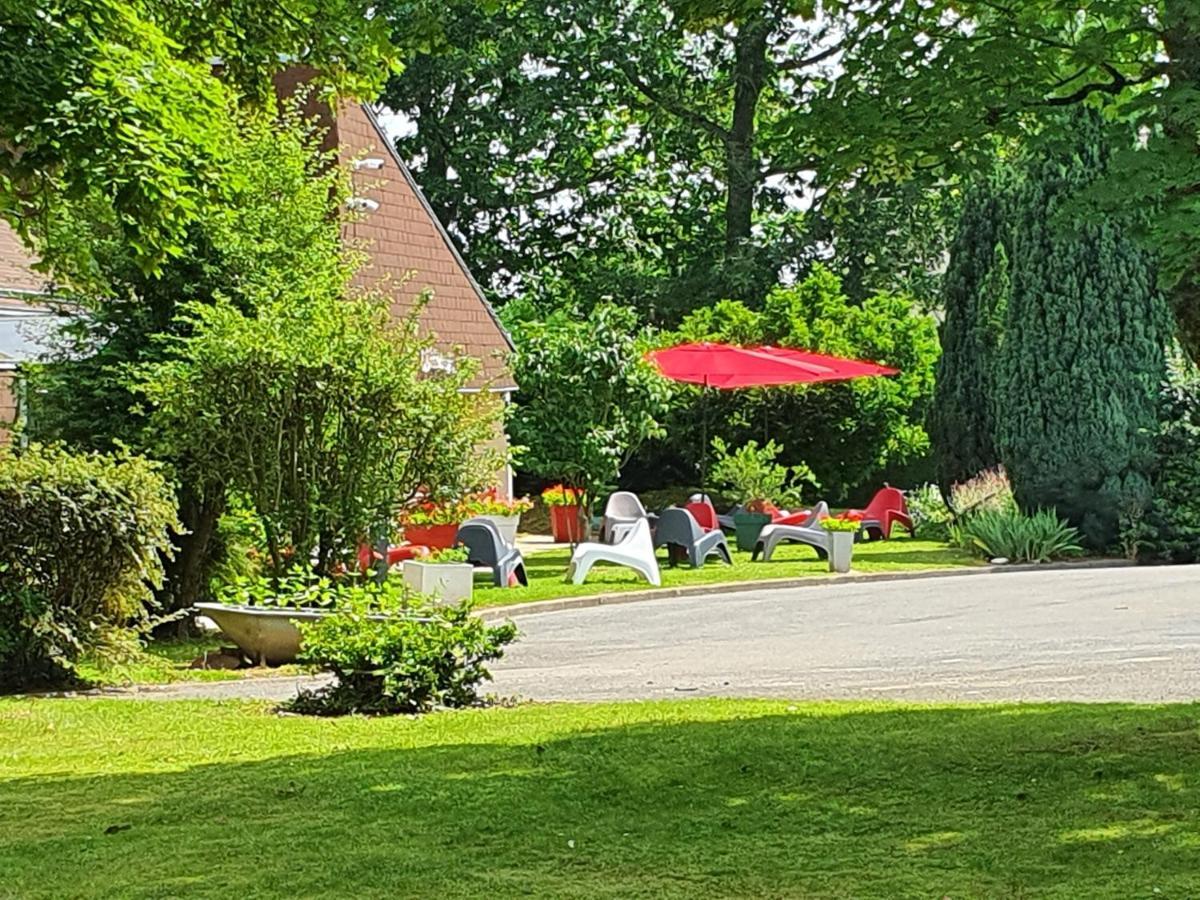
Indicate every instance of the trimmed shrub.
{"type": "Point", "coordinates": [1036, 537]}
{"type": "Point", "coordinates": [389, 659]}
{"type": "Point", "coordinates": [82, 539]}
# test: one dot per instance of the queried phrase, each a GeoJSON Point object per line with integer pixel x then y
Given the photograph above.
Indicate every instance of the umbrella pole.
{"type": "Point", "coordinates": [704, 438]}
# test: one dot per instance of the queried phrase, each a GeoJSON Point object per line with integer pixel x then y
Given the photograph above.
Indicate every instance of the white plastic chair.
{"type": "Point", "coordinates": [621, 512]}
{"type": "Point", "coordinates": [635, 551]}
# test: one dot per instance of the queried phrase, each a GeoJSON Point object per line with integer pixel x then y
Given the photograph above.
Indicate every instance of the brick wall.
{"type": "Point", "coordinates": [8, 404]}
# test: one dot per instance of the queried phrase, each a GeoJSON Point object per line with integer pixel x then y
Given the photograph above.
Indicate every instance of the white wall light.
{"type": "Point", "coordinates": [362, 204]}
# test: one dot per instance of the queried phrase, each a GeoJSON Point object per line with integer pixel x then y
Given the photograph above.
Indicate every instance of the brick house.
{"type": "Point", "coordinates": [409, 252]}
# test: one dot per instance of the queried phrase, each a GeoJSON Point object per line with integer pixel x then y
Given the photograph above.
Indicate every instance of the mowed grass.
{"type": "Point", "coordinates": [688, 799]}
{"type": "Point", "coordinates": [546, 570]}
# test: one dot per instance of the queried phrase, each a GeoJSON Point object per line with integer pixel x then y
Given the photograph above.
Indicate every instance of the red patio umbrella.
{"type": "Point", "coordinates": [727, 367]}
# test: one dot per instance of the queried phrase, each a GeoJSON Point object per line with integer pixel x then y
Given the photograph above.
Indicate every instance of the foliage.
{"type": "Point", "coordinates": [587, 398]}
{"type": "Point", "coordinates": [455, 554]}
{"type": "Point", "coordinates": [1039, 536]}
{"type": "Point", "coordinates": [121, 102]}
{"type": "Point", "coordinates": [390, 660]}
{"type": "Point", "coordinates": [81, 545]}
{"type": "Point", "coordinates": [930, 514]}
{"type": "Point", "coordinates": [1169, 529]}
{"type": "Point", "coordinates": [277, 225]}
{"type": "Point", "coordinates": [561, 495]}
{"type": "Point", "coordinates": [847, 522]}
{"type": "Point", "coordinates": [753, 474]}
{"type": "Point", "coordinates": [1083, 346]}
{"type": "Point", "coordinates": [453, 512]}
{"type": "Point", "coordinates": [338, 385]}
{"type": "Point", "coordinates": [847, 432]}
{"type": "Point", "coordinates": [974, 297]}
{"type": "Point", "coordinates": [300, 588]}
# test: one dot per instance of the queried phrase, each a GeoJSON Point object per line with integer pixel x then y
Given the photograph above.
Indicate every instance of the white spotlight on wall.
{"type": "Point", "coordinates": [371, 162]}
{"type": "Point", "coordinates": [362, 204]}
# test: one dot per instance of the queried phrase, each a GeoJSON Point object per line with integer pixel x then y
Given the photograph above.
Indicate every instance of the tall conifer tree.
{"type": "Point", "coordinates": [1082, 356]}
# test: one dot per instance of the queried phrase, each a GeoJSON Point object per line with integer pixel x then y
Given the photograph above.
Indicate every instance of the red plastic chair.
{"type": "Point", "coordinates": [705, 515]}
{"type": "Point", "coordinates": [887, 508]}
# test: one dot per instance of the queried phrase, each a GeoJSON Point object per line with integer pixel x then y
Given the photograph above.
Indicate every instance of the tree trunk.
{"type": "Point", "coordinates": [749, 73]}
{"type": "Point", "coordinates": [1182, 41]}
{"type": "Point", "coordinates": [185, 574]}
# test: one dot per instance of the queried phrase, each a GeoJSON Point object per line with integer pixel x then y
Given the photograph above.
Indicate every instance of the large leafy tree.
{"type": "Point", "coordinates": [627, 149]}
{"type": "Point", "coordinates": [123, 101]}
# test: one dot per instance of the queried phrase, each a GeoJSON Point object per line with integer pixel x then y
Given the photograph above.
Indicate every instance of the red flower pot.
{"type": "Point", "coordinates": [435, 537]}
{"type": "Point", "coordinates": [567, 525]}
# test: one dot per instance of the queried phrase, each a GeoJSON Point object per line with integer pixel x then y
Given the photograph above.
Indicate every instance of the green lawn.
{"type": "Point", "coordinates": [686, 799]}
{"type": "Point", "coordinates": [166, 661]}
{"type": "Point", "coordinates": [546, 570]}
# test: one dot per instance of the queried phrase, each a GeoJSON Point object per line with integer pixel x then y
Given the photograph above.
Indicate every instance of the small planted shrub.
{"type": "Point", "coordinates": [301, 588]}
{"type": "Point", "coordinates": [389, 659]}
{"type": "Point", "coordinates": [931, 516]}
{"type": "Point", "coordinates": [754, 475]}
{"type": "Point", "coordinates": [82, 538]}
{"type": "Point", "coordinates": [1039, 537]}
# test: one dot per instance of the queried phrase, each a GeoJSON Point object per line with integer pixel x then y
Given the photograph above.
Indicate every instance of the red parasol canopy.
{"type": "Point", "coordinates": [726, 366]}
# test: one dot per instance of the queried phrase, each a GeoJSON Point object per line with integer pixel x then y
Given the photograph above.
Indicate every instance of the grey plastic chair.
{"type": "Point", "coordinates": [485, 547]}
{"type": "Point", "coordinates": [678, 528]}
{"type": "Point", "coordinates": [622, 511]}
{"type": "Point", "coordinates": [809, 532]}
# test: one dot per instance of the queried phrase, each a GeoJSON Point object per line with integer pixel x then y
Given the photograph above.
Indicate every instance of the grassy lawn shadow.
{"type": "Point", "coordinates": [702, 798]}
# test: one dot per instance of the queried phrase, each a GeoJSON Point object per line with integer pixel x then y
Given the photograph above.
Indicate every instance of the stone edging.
{"type": "Point", "coordinates": [500, 613]}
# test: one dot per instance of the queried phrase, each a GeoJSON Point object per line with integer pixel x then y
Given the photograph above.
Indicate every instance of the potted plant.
{"type": "Point", "coordinates": [843, 531]}
{"type": "Point", "coordinates": [444, 574]}
{"type": "Point", "coordinates": [567, 522]}
{"type": "Point", "coordinates": [759, 483]}
{"type": "Point", "coordinates": [433, 525]}
{"type": "Point", "coordinates": [504, 514]}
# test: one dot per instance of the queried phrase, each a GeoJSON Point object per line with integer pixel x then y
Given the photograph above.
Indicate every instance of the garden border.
{"type": "Point", "coordinates": [500, 613]}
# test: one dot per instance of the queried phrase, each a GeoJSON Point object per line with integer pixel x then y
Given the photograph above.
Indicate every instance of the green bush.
{"type": "Point", "coordinates": [753, 474]}
{"type": "Point", "coordinates": [1037, 537]}
{"type": "Point", "coordinates": [82, 539]}
{"type": "Point", "coordinates": [1169, 529]}
{"type": "Point", "coordinates": [300, 587]}
{"type": "Point", "coordinates": [930, 514]}
{"type": "Point", "coordinates": [387, 658]}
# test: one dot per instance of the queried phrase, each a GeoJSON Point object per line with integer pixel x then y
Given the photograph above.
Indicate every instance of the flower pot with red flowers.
{"type": "Point", "coordinates": [567, 521]}
{"type": "Point", "coordinates": [433, 525]}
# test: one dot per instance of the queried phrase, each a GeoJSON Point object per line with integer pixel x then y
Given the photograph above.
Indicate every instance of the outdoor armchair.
{"type": "Point", "coordinates": [635, 551]}
{"type": "Point", "coordinates": [485, 547]}
{"type": "Point", "coordinates": [887, 508]}
{"type": "Point", "coordinates": [678, 530]}
{"type": "Point", "coordinates": [622, 510]}
{"type": "Point", "coordinates": [704, 513]}
{"type": "Point", "coordinates": [807, 532]}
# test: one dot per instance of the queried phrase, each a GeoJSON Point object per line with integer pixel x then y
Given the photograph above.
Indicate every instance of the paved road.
{"type": "Point", "coordinates": [1100, 634]}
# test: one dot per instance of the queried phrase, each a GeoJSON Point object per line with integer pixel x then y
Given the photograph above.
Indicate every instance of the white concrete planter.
{"type": "Point", "coordinates": [506, 525]}
{"type": "Point", "coordinates": [449, 582]}
{"type": "Point", "coordinates": [841, 549]}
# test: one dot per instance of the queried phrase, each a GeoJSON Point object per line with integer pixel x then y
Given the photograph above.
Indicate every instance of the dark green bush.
{"type": "Point", "coordinates": [1169, 530]}
{"type": "Point", "coordinates": [81, 545]}
{"type": "Point", "coordinates": [387, 658]}
{"type": "Point", "coordinates": [1018, 537]}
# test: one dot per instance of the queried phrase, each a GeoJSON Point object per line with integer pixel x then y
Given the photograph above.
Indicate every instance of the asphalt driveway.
{"type": "Point", "coordinates": [1098, 634]}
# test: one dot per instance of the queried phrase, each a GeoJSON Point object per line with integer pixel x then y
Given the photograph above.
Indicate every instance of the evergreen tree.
{"type": "Point", "coordinates": [975, 297]}
{"type": "Point", "coordinates": [1083, 346]}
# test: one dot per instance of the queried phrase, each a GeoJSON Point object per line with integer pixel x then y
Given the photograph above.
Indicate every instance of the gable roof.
{"type": "Point", "coordinates": [410, 251]}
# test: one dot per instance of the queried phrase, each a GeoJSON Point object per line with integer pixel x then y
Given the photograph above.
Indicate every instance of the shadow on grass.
{"type": "Point", "coordinates": [636, 801]}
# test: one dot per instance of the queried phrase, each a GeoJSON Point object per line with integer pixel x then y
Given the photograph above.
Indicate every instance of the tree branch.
{"type": "Point", "coordinates": [674, 106]}
{"type": "Point", "coordinates": [1119, 82]}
